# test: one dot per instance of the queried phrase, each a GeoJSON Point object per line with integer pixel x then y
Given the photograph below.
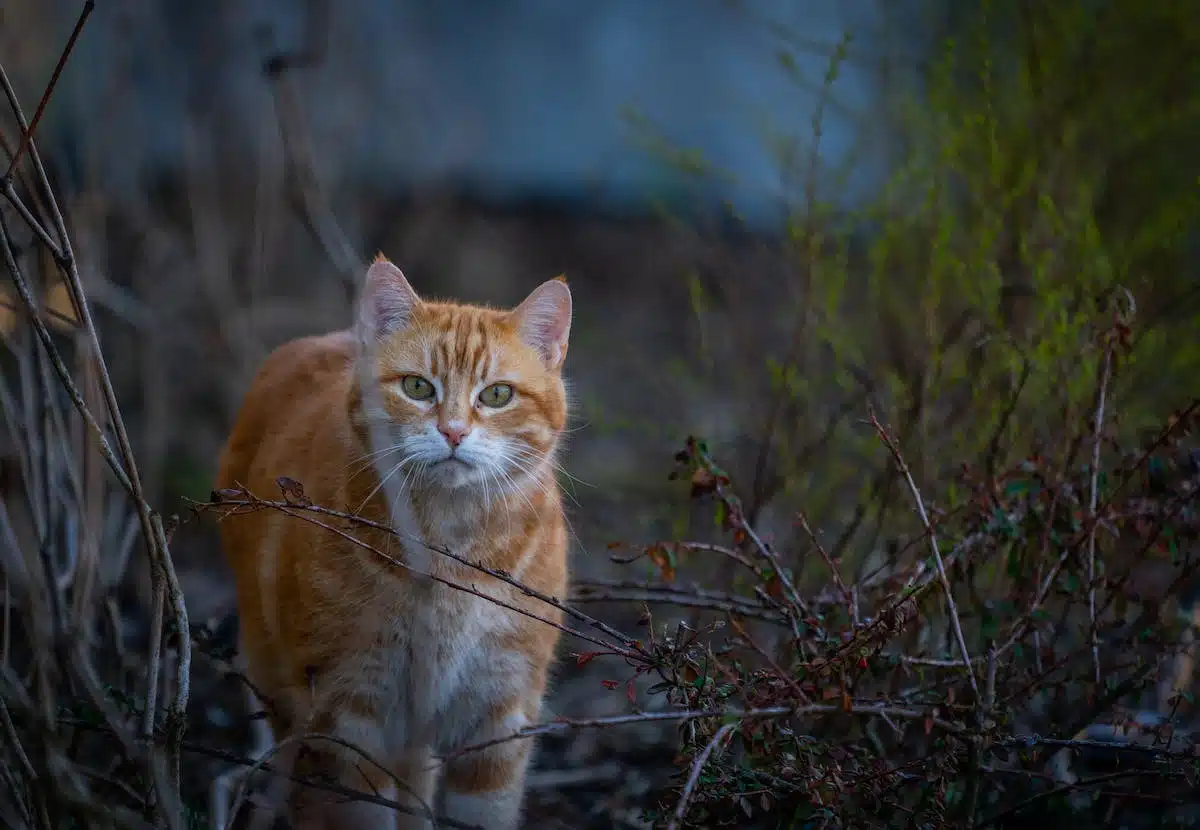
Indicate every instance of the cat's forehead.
{"type": "Point", "coordinates": [452, 339]}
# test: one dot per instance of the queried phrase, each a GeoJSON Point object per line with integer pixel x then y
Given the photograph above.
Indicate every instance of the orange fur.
{"type": "Point", "coordinates": [342, 641]}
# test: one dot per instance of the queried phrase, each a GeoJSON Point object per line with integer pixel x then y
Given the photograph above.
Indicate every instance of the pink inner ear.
{"type": "Point", "coordinates": [545, 317]}
{"type": "Point", "coordinates": [387, 301]}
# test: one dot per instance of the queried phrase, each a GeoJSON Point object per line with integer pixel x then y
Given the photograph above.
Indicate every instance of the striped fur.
{"type": "Point", "coordinates": [341, 640]}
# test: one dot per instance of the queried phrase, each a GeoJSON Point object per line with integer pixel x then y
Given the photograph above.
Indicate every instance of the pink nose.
{"type": "Point", "coordinates": [454, 433]}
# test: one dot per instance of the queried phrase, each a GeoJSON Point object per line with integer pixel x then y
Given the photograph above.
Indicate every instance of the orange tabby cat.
{"type": "Point", "coordinates": [442, 419]}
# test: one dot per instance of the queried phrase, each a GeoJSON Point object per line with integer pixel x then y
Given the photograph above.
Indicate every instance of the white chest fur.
{"type": "Point", "coordinates": [435, 670]}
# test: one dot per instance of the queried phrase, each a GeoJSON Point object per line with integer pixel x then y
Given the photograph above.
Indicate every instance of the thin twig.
{"type": "Point", "coordinates": [833, 568]}
{"type": "Point", "coordinates": [1154, 751]}
{"type": "Point", "coordinates": [1078, 785]}
{"type": "Point", "coordinates": [241, 498]}
{"type": "Point", "coordinates": [955, 621]}
{"type": "Point", "coordinates": [60, 368]}
{"type": "Point", "coordinates": [10, 192]}
{"type": "Point", "coordinates": [426, 810]}
{"type": "Point", "coordinates": [260, 765]}
{"type": "Point", "coordinates": [169, 803]}
{"type": "Point", "coordinates": [734, 507]}
{"type": "Point", "coordinates": [27, 131]}
{"type": "Point", "coordinates": [32, 779]}
{"type": "Point", "coordinates": [983, 713]}
{"type": "Point", "coordinates": [1097, 440]}
{"type": "Point", "coordinates": [599, 590]}
{"type": "Point", "coordinates": [694, 775]}
{"type": "Point", "coordinates": [769, 660]}
{"type": "Point", "coordinates": [682, 715]}
{"type": "Point", "coordinates": [154, 661]}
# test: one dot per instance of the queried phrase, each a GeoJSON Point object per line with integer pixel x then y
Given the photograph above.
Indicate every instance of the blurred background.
{"type": "Point", "coordinates": [229, 168]}
{"type": "Point", "coordinates": [772, 214]}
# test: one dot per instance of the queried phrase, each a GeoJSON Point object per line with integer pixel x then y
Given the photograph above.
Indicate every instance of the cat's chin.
{"type": "Point", "coordinates": [453, 473]}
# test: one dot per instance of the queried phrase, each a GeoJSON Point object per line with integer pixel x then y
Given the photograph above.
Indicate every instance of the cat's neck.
{"type": "Point", "coordinates": [470, 520]}
{"type": "Point", "coordinates": [472, 516]}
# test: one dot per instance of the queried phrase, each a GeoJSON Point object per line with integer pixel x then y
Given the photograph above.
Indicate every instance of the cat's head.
{"type": "Point", "coordinates": [462, 395]}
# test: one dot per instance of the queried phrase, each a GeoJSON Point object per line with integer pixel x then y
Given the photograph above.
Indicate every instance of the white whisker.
{"type": "Point", "coordinates": [515, 488]}
{"type": "Point", "coordinates": [548, 458]}
{"type": "Point", "coordinates": [492, 470]}
{"type": "Point", "coordinates": [366, 460]}
{"type": "Point", "coordinates": [531, 475]}
{"type": "Point", "coordinates": [384, 479]}
{"type": "Point", "coordinates": [525, 457]}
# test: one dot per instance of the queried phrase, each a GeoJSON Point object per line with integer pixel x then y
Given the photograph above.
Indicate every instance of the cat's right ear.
{"type": "Point", "coordinates": [387, 301]}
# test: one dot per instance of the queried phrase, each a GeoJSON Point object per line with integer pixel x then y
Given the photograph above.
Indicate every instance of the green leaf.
{"type": "Point", "coordinates": [1016, 487]}
{"type": "Point", "coordinates": [1013, 561]}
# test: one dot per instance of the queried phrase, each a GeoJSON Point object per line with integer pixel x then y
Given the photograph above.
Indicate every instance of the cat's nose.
{"type": "Point", "coordinates": [454, 432]}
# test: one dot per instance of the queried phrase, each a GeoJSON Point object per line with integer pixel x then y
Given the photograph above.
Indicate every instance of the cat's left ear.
{"type": "Point", "coordinates": [544, 320]}
{"type": "Point", "coordinates": [387, 301]}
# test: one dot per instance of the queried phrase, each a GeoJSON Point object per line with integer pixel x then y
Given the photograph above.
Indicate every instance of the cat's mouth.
{"type": "Point", "coordinates": [454, 471]}
{"type": "Point", "coordinates": [453, 461]}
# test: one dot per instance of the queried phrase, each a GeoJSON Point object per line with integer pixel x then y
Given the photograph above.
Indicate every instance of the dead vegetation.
{"type": "Point", "coordinates": [1002, 629]}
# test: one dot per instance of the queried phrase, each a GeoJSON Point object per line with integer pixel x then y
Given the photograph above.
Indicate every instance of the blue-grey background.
{"type": "Point", "coordinates": [510, 99]}
{"type": "Point", "coordinates": [487, 146]}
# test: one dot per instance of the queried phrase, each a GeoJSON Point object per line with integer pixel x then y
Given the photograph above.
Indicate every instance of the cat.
{"type": "Point", "coordinates": [444, 418]}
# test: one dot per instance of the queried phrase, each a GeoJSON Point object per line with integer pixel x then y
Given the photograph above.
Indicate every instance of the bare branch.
{"type": "Point", "coordinates": [242, 499]}
{"type": "Point", "coordinates": [955, 621]}
{"type": "Point", "coordinates": [1097, 440]}
{"type": "Point", "coordinates": [694, 775]}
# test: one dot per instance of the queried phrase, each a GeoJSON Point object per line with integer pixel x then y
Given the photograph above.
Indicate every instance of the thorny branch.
{"type": "Point", "coordinates": [241, 500]}
{"type": "Point", "coordinates": [970, 723]}
{"type": "Point", "coordinates": [1097, 442]}
{"type": "Point", "coordinates": [28, 130]}
{"type": "Point", "coordinates": [317, 784]}
{"type": "Point", "coordinates": [694, 776]}
{"type": "Point", "coordinates": [567, 724]}
{"type": "Point", "coordinates": [292, 742]}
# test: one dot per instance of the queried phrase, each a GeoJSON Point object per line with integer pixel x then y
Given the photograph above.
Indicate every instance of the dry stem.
{"type": "Point", "coordinates": [955, 621]}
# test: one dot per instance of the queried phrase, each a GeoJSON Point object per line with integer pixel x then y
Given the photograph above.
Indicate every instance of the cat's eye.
{"type": "Point", "coordinates": [496, 395]}
{"type": "Point", "coordinates": [416, 387]}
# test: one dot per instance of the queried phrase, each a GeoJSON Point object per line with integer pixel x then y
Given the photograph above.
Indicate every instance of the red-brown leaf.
{"type": "Point", "coordinates": [229, 493]}
{"type": "Point", "coordinates": [293, 491]}
{"type": "Point", "coordinates": [703, 482]}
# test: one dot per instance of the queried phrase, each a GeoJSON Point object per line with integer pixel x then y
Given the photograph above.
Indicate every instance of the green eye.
{"type": "Point", "coordinates": [416, 387]}
{"type": "Point", "coordinates": [496, 395]}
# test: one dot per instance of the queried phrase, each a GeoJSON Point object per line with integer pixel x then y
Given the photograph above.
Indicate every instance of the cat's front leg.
{"type": "Point", "coordinates": [416, 779]}
{"type": "Point", "coordinates": [355, 758]}
{"type": "Point", "coordinates": [485, 787]}
{"type": "Point", "coordinates": [315, 808]}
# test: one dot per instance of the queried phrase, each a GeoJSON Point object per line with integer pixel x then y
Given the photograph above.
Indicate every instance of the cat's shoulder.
{"type": "Point", "coordinates": [295, 380]}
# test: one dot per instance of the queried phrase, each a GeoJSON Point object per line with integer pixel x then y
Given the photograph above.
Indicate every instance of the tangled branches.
{"type": "Point", "coordinates": [825, 705]}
